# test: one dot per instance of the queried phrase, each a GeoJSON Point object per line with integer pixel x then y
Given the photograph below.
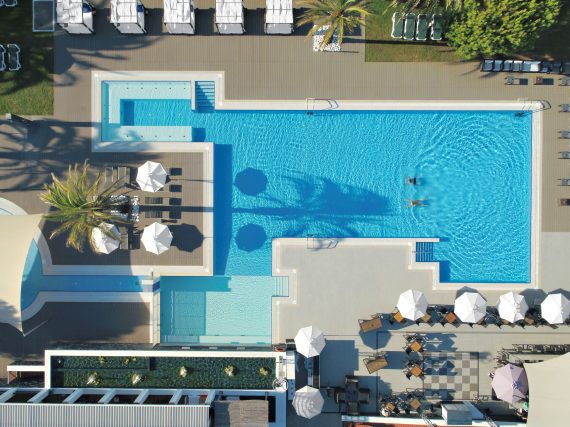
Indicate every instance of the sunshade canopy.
{"type": "Point", "coordinates": [310, 341]}
{"type": "Point", "coordinates": [512, 307]}
{"type": "Point", "coordinates": [16, 235]}
{"type": "Point", "coordinates": [156, 238]}
{"type": "Point", "coordinates": [548, 392]}
{"type": "Point", "coordinates": [470, 307]}
{"type": "Point", "coordinates": [555, 308]}
{"type": "Point", "coordinates": [412, 304]}
{"type": "Point", "coordinates": [510, 383]}
{"type": "Point", "coordinates": [102, 240]}
{"type": "Point", "coordinates": [151, 176]}
{"type": "Point", "coordinates": [308, 402]}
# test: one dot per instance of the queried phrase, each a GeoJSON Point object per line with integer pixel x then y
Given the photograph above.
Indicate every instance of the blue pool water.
{"type": "Point", "coordinates": [216, 310]}
{"type": "Point", "coordinates": [34, 281]}
{"type": "Point", "coordinates": [341, 174]}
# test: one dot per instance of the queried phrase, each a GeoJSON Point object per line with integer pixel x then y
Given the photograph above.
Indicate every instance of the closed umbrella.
{"type": "Point", "coordinates": [105, 238]}
{"type": "Point", "coordinates": [512, 307]}
{"type": "Point", "coordinates": [510, 383]}
{"type": "Point", "coordinates": [412, 304]}
{"type": "Point", "coordinates": [555, 308]}
{"type": "Point", "coordinates": [470, 307]}
{"type": "Point", "coordinates": [308, 402]}
{"type": "Point", "coordinates": [151, 176]}
{"type": "Point", "coordinates": [310, 341]}
{"type": "Point", "coordinates": [156, 238]}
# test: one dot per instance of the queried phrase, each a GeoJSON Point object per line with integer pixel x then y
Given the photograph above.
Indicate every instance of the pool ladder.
{"type": "Point", "coordinates": [316, 242]}
{"type": "Point", "coordinates": [330, 104]}
{"type": "Point", "coordinates": [529, 108]}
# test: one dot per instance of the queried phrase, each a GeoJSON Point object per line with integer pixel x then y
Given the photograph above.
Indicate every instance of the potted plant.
{"type": "Point", "coordinates": [230, 370]}
{"type": "Point", "coordinates": [93, 379]}
{"type": "Point", "coordinates": [136, 379]}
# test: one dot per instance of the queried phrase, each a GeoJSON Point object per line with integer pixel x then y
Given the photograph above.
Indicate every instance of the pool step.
{"type": "Point", "coordinates": [424, 252]}
{"type": "Point", "coordinates": [205, 96]}
{"type": "Point", "coordinates": [281, 287]}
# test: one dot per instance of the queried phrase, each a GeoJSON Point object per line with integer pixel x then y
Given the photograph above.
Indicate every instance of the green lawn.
{"type": "Point", "coordinates": [29, 90]}
{"type": "Point", "coordinates": [380, 47]}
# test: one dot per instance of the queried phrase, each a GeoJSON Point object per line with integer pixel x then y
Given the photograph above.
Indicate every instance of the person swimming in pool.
{"type": "Point", "coordinates": [416, 202]}
{"type": "Point", "coordinates": [412, 180]}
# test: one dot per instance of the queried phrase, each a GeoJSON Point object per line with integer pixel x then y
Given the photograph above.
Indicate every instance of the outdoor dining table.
{"type": "Point", "coordinates": [415, 404]}
{"type": "Point", "coordinates": [416, 371]}
{"type": "Point", "coordinates": [450, 317]}
{"type": "Point", "coordinates": [416, 346]}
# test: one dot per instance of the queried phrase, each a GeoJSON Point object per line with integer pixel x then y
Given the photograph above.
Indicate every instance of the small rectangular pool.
{"type": "Point", "coordinates": [216, 310]}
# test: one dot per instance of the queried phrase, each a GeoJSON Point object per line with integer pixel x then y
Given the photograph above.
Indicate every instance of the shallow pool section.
{"type": "Point", "coordinates": [343, 174]}
{"type": "Point", "coordinates": [34, 281]}
{"type": "Point", "coordinates": [217, 310]}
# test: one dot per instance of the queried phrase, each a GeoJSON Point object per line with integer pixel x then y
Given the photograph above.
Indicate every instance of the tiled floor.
{"type": "Point", "coordinates": [451, 375]}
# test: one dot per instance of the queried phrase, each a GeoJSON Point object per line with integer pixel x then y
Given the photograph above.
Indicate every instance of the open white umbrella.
{"type": "Point", "coordinates": [102, 241]}
{"type": "Point", "coordinates": [510, 383]}
{"type": "Point", "coordinates": [412, 304]}
{"type": "Point", "coordinates": [156, 238]}
{"type": "Point", "coordinates": [512, 307]}
{"type": "Point", "coordinates": [308, 402]}
{"type": "Point", "coordinates": [470, 307]}
{"type": "Point", "coordinates": [310, 341]}
{"type": "Point", "coordinates": [151, 176]}
{"type": "Point", "coordinates": [555, 308]}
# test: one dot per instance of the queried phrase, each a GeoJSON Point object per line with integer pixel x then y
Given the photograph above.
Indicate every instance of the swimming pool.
{"type": "Point", "coordinates": [216, 310]}
{"type": "Point", "coordinates": [34, 281]}
{"type": "Point", "coordinates": [342, 174]}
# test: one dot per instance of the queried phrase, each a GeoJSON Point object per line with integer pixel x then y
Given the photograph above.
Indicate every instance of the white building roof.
{"type": "Point", "coordinates": [177, 11]}
{"type": "Point", "coordinates": [69, 11]}
{"type": "Point", "coordinates": [229, 12]}
{"type": "Point", "coordinates": [124, 11]}
{"type": "Point", "coordinates": [279, 12]}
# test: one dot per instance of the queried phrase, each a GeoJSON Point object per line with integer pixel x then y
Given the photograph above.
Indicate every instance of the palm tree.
{"type": "Point", "coordinates": [338, 15]}
{"type": "Point", "coordinates": [81, 206]}
{"type": "Point", "coordinates": [426, 5]}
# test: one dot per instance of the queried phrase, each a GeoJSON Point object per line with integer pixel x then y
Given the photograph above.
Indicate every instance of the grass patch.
{"type": "Point", "coordinates": [29, 90]}
{"type": "Point", "coordinates": [380, 47]}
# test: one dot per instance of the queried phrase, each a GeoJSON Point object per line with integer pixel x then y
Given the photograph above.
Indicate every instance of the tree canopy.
{"type": "Point", "coordinates": [500, 27]}
{"type": "Point", "coordinates": [428, 5]}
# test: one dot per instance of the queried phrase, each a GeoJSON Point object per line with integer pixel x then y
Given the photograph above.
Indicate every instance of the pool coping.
{"type": "Point", "coordinates": [312, 105]}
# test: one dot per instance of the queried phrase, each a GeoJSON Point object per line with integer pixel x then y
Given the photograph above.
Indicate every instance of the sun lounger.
{"type": "Point", "coordinates": [563, 202]}
{"type": "Point", "coordinates": [153, 200]}
{"type": "Point", "coordinates": [564, 155]}
{"type": "Point", "coordinates": [508, 65]}
{"type": "Point", "coordinates": [436, 27]}
{"type": "Point", "coordinates": [10, 3]}
{"type": "Point", "coordinates": [565, 81]}
{"type": "Point", "coordinates": [517, 66]}
{"type": "Point", "coordinates": [510, 80]}
{"type": "Point", "coordinates": [498, 65]}
{"type": "Point", "coordinates": [397, 25]}
{"type": "Point", "coordinates": [2, 58]}
{"type": "Point", "coordinates": [154, 213]}
{"type": "Point", "coordinates": [565, 68]}
{"type": "Point", "coordinates": [421, 27]}
{"type": "Point", "coordinates": [410, 26]}
{"type": "Point", "coordinates": [487, 65]}
{"type": "Point", "coordinates": [546, 67]}
{"type": "Point", "coordinates": [564, 134]}
{"type": "Point", "coordinates": [14, 57]}
{"type": "Point", "coordinates": [531, 66]}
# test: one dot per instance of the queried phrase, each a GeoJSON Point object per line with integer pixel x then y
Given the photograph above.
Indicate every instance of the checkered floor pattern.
{"type": "Point", "coordinates": [451, 375]}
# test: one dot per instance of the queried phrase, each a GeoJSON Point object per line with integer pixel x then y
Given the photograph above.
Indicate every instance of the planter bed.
{"type": "Point", "coordinates": [164, 372]}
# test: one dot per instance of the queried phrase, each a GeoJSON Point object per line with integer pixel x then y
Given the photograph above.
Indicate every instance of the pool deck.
{"type": "Point", "coordinates": [337, 286]}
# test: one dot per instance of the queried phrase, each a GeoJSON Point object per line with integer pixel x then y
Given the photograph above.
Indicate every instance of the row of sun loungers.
{"type": "Point", "coordinates": [516, 66]}
{"type": "Point", "coordinates": [410, 27]}
{"type": "Point", "coordinates": [8, 3]}
{"type": "Point", "coordinates": [12, 51]}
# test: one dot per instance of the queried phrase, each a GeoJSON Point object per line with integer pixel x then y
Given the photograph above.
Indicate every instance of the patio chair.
{"type": "Point", "coordinates": [2, 58]}
{"type": "Point", "coordinates": [487, 65]}
{"type": "Point", "coordinates": [436, 27]}
{"type": "Point", "coordinates": [564, 182]}
{"type": "Point", "coordinates": [397, 25]}
{"type": "Point", "coordinates": [410, 26]}
{"type": "Point", "coordinates": [353, 408]}
{"type": "Point", "coordinates": [14, 57]}
{"type": "Point", "coordinates": [374, 364]}
{"type": "Point", "coordinates": [421, 27]}
{"type": "Point", "coordinates": [564, 155]}
{"type": "Point", "coordinates": [565, 108]}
